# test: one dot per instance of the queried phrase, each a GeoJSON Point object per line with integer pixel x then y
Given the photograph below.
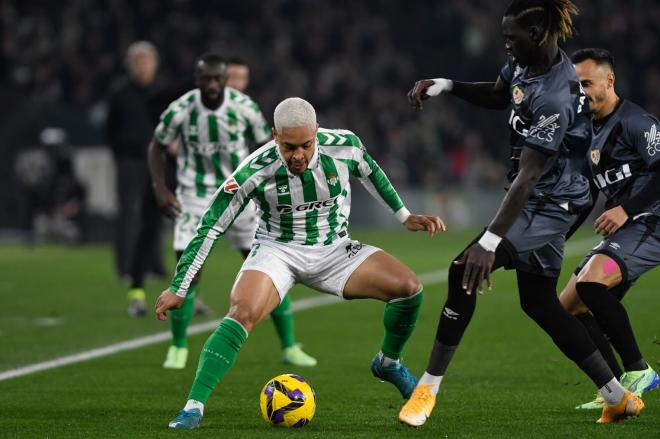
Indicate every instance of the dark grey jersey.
{"type": "Point", "coordinates": [550, 114]}
{"type": "Point", "coordinates": [626, 146]}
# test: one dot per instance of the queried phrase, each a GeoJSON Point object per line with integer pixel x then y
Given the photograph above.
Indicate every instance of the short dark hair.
{"type": "Point", "coordinates": [237, 61]}
{"type": "Point", "coordinates": [599, 56]}
{"type": "Point", "coordinates": [211, 58]}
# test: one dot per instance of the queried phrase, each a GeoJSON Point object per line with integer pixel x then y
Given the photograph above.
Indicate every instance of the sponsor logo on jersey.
{"type": "Point", "coordinates": [517, 95]}
{"type": "Point", "coordinates": [615, 245]}
{"type": "Point", "coordinates": [545, 129]}
{"type": "Point", "coordinates": [653, 140]}
{"type": "Point", "coordinates": [312, 205]}
{"type": "Point", "coordinates": [332, 179]}
{"type": "Point", "coordinates": [231, 186]}
{"type": "Point", "coordinates": [595, 156]}
{"type": "Point", "coordinates": [612, 176]}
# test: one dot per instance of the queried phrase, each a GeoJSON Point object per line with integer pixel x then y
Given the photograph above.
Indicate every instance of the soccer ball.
{"type": "Point", "coordinates": [287, 401]}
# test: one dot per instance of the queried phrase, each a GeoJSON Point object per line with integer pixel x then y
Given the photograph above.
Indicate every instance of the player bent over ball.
{"type": "Point", "coordinates": [300, 183]}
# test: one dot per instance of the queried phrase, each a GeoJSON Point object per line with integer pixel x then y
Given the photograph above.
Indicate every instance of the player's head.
{"type": "Point", "coordinates": [530, 25]}
{"type": "Point", "coordinates": [595, 68]}
{"type": "Point", "coordinates": [211, 77]}
{"type": "Point", "coordinates": [141, 61]}
{"type": "Point", "coordinates": [239, 74]}
{"type": "Point", "coordinates": [295, 133]}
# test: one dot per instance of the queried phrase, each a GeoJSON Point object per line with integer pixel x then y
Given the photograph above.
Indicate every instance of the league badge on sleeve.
{"type": "Point", "coordinates": [595, 156]}
{"type": "Point", "coordinates": [231, 186]}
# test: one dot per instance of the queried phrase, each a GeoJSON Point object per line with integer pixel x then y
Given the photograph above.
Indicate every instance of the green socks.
{"type": "Point", "coordinates": [399, 319]}
{"type": "Point", "coordinates": [180, 319]}
{"type": "Point", "coordinates": [283, 320]}
{"type": "Point", "coordinates": [217, 357]}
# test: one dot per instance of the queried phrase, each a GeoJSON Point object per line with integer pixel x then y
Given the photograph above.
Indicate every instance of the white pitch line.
{"type": "Point", "coordinates": [433, 277]}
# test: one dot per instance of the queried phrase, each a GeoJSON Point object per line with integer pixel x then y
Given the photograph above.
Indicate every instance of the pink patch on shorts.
{"type": "Point", "coordinates": [610, 266]}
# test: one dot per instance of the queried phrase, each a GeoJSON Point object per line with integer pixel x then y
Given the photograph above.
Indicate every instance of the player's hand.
{"type": "Point", "coordinates": [167, 202]}
{"type": "Point", "coordinates": [166, 301]}
{"type": "Point", "coordinates": [478, 263]}
{"type": "Point", "coordinates": [611, 220]}
{"type": "Point", "coordinates": [432, 224]}
{"type": "Point", "coordinates": [426, 88]}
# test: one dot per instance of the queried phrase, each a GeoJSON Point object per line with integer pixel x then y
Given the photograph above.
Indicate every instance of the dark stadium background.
{"type": "Point", "coordinates": [354, 60]}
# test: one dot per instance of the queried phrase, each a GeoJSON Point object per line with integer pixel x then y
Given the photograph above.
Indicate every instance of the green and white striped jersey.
{"type": "Point", "coordinates": [309, 209]}
{"type": "Point", "coordinates": [212, 142]}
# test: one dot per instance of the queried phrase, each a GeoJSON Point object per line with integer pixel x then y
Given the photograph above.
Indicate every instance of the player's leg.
{"type": "Point", "coordinates": [594, 284]}
{"type": "Point", "coordinates": [381, 276]}
{"type": "Point", "coordinates": [572, 303]}
{"type": "Point", "coordinates": [252, 298]}
{"type": "Point", "coordinates": [241, 236]}
{"type": "Point", "coordinates": [539, 301]}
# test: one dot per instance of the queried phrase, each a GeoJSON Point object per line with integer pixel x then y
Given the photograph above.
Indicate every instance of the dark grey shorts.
{"type": "Point", "coordinates": [536, 240]}
{"type": "Point", "coordinates": [635, 247]}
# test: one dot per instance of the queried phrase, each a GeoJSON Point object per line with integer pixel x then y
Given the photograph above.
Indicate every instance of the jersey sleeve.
{"type": "Point", "coordinates": [170, 121]}
{"type": "Point", "coordinates": [644, 135]}
{"type": "Point", "coordinates": [376, 182]}
{"type": "Point", "coordinates": [228, 202]}
{"type": "Point", "coordinates": [257, 127]}
{"type": "Point", "coordinates": [549, 123]}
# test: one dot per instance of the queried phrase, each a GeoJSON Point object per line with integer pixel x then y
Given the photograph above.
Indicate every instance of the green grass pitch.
{"type": "Point", "coordinates": [507, 378]}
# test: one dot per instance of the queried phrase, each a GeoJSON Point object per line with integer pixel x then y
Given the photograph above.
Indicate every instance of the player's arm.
{"type": "Point", "coordinates": [379, 186]}
{"type": "Point", "coordinates": [637, 130]}
{"type": "Point", "coordinates": [165, 198]}
{"type": "Point", "coordinates": [533, 164]}
{"type": "Point", "coordinates": [228, 202]}
{"type": "Point", "coordinates": [492, 95]}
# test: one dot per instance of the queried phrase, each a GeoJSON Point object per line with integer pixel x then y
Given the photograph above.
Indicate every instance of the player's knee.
{"type": "Point", "coordinates": [246, 316]}
{"type": "Point", "coordinates": [410, 286]}
{"type": "Point", "coordinates": [571, 302]}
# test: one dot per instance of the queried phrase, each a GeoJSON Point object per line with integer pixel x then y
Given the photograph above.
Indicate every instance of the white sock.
{"type": "Point", "coordinates": [612, 392]}
{"type": "Point", "coordinates": [192, 404]}
{"type": "Point", "coordinates": [433, 380]}
{"type": "Point", "coordinates": [387, 361]}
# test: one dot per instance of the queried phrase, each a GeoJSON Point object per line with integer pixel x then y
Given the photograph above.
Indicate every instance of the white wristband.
{"type": "Point", "coordinates": [440, 85]}
{"type": "Point", "coordinates": [402, 215]}
{"type": "Point", "coordinates": [489, 241]}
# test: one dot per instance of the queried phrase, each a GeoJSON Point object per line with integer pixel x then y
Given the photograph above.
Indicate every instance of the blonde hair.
{"type": "Point", "coordinates": [294, 113]}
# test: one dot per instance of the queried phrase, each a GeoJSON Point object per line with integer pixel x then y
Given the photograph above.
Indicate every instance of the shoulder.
{"type": "Point", "coordinates": [338, 137]}
{"type": "Point", "coordinates": [635, 119]}
{"type": "Point", "coordinates": [241, 100]}
{"type": "Point", "coordinates": [259, 164]}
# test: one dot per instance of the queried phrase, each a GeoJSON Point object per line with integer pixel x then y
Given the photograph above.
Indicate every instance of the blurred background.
{"type": "Point", "coordinates": [60, 62]}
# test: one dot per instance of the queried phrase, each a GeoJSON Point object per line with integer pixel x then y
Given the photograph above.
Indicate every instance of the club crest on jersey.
{"type": "Point", "coordinates": [653, 140]}
{"type": "Point", "coordinates": [231, 186]}
{"type": "Point", "coordinates": [283, 189]}
{"type": "Point", "coordinates": [595, 156]}
{"type": "Point", "coordinates": [332, 179]}
{"type": "Point", "coordinates": [517, 95]}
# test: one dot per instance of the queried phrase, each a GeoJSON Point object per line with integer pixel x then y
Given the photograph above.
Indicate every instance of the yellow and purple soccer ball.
{"type": "Point", "coordinates": [287, 401]}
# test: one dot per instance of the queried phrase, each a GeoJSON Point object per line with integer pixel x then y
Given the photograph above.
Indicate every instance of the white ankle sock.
{"type": "Point", "coordinates": [387, 361]}
{"type": "Point", "coordinates": [433, 380]}
{"type": "Point", "coordinates": [192, 404]}
{"type": "Point", "coordinates": [612, 392]}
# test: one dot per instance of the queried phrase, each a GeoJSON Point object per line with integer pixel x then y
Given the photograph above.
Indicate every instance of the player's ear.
{"type": "Point", "coordinates": [610, 79]}
{"type": "Point", "coordinates": [536, 33]}
{"type": "Point", "coordinates": [275, 135]}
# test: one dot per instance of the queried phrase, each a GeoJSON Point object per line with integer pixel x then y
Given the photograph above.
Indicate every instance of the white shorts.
{"type": "Point", "coordinates": [323, 268]}
{"type": "Point", "coordinates": [240, 235]}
